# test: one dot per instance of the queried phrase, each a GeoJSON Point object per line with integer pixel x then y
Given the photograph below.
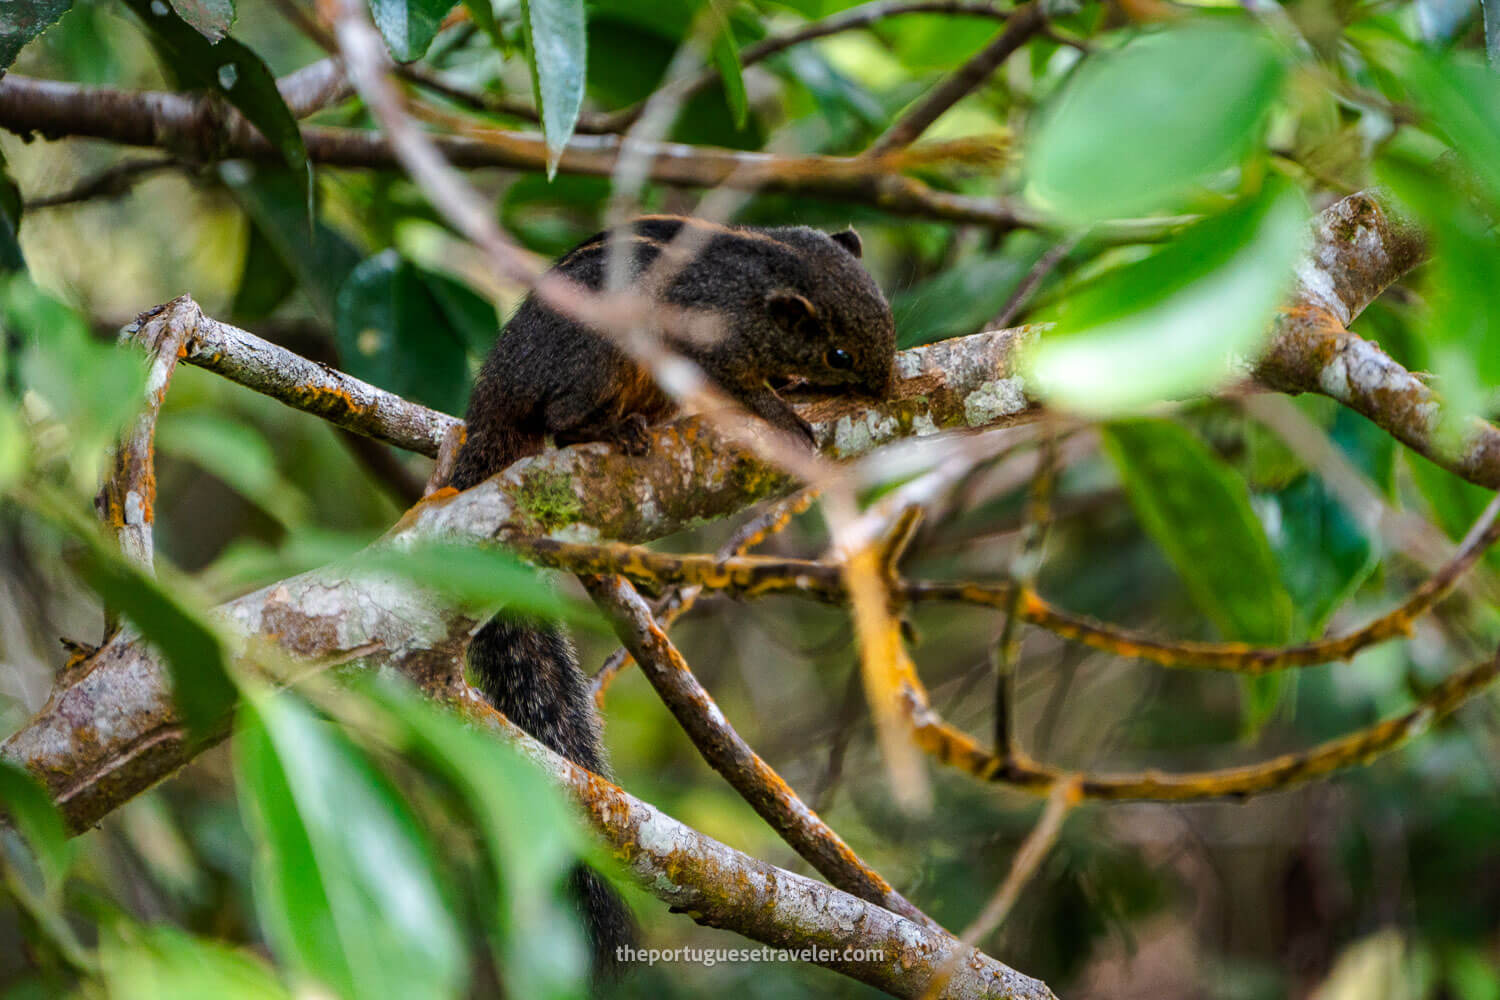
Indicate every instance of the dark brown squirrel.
{"type": "Point", "coordinates": [794, 303]}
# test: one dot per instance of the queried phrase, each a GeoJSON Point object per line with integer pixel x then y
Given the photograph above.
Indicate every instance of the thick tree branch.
{"type": "Point", "coordinates": [721, 887]}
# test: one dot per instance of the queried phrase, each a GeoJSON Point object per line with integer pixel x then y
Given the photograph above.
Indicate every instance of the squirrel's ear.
{"type": "Point", "coordinates": [792, 312]}
{"type": "Point", "coordinates": [850, 241]}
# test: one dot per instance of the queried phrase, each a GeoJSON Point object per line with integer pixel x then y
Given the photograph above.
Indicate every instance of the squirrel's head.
{"type": "Point", "coordinates": [837, 326]}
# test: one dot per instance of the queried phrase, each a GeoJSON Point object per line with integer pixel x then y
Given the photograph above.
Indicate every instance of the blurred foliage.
{"type": "Point", "coordinates": [355, 842]}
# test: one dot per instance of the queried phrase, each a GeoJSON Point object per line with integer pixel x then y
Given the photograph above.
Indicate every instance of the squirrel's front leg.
{"type": "Point", "coordinates": [766, 404]}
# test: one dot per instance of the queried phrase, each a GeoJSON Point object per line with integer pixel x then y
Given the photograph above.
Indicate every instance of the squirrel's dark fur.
{"type": "Point", "coordinates": [793, 302]}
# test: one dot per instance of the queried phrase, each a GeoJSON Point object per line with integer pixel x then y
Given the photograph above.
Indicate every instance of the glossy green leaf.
{"type": "Point", "coordinates": [1175, 323]}
{"type": "Point", "coordinates": [196, 659]}
{"type": "Point", "coordinates": [478, 578]}
{"type": "Point", "coordinates": [210, 18]}
{"type": "Point", "coordinates": [409, 26]}
{"type": "Point", "coordinates": [229, 68]}
{"type": "Point", "coordinates": [392, 331]}
{"type": "Point", "coordinates": [11, 258]}
{"type": "Point", "coordinates": [160, 962]}
{"type": "Point", "coordinates": [23, 20]}
{"type": "Point", "coordinates": [276, 201]}
{"type": "Point", "coordinates": [344, 881]}
{"type": "Point", "coordinates": [557, 49]}
{"type": "Point", "coordinates": [1198, 512]}
{"type": "Point", "coordinates": [26, 805]}
{"type": "Point", "coordinates": [531, 833]}
{"type": "Point", "coordinates": [1138, 128]}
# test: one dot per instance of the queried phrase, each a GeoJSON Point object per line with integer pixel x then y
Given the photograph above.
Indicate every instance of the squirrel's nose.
{"type": "Point", "coordinates": [879, 382]}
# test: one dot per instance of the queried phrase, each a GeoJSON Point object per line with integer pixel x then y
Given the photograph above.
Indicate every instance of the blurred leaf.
{"type": "Point", "coordinates": [275, 199]}
{"type": "Point", "coordinates": [557, 50]}
{"type": "Point", "coordinates": [1462, 96]}
{"type": "Point", "coordinates": [726, 56]}
{"type": "Point", "coordinates": [1176, 322]}
{"type": "Point", "coordinates": [1464, 284]}
{"type": "Point", "coordinates": [11, 258]}
{"type": "Point", "coordinates": [469, 316]}
{"type": "Point", "coordinates": [237, 454]}
{"type": "Point", "coordinates": [229, 68]}
{"type": "Point", "coordinates": [23, 20]}
{"type": "Point", "coordinates": [480, 578]}
{"type": "Point", "coordinates": [482, 13]}
{"type": "Point", "coordinates": [963, 298]}
{"type": "Point", "coordinates": [265, 280]}
{"type": "Point", "coordinates": [344, 880]}
{"type": "Point", "coordinates": [210, 18]}
{"type": "Point", "coordinates": [13, 445]}
{"type": "Point", "coordinates": [409, 26]}
{"type": "Point", "coordinates": [1139, 127]}
{"type": "Point", "coordinates": [392, 331]}
{"type": "Point", "coordinates": [90, 389]}
{"type": "Point", "coordinates": [1323, 552]}
{"type": "Point", "coordinates": [160, 962]}
{"type": "Point", "coordinates": [530, 831]}
{"type": "Point", "coordinates": [1198, 512]}
{"type": "Point", "coordinates": [553, 217]}
{"type": "Point", "coordinates": [1455, 503]}
{"type": "Point", "coordinates": [196, 660]}
{"type": "Point", "coordinates": [26, 804]}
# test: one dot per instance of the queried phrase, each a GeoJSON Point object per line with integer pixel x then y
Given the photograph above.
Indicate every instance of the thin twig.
{"type": "Point", "coordinates": [111, 182]}
{"type": "Point", "coordinates": [1025, 21]}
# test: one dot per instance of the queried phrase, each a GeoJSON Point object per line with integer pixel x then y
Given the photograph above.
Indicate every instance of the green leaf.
{"type": "Point", "coordinates": [409, 26]}
{"type": "Point", "coordinates": [482, 13]}
{"type": "Point", "coordinates": [11, 258]}
{"type": "Point", "coordinates": [1175, 323]}
{"type": "Point", "coordinates": [210, 18]}
{"type": "Point", "coordinates": [1455, 503]}
{"type": "Point", "coordinates": [726, 56]}
{"type": "Point", "coordinates": [1463, 284]}
{"type": "Point", "coordinates": [529, 830]}
{"type": "Point", "coordinates": [393, 332]}
{"type": "Point", "coordinates": [160, 962]}
{"type": "Point", "coordinates": [275, 199]}
{"type": "Point", "coordinates": [228, 68]}
{"type": "Point", "coordinates": [27, 805]}
{"type": "Point", "coordinates": [557, 50]}
{"type": "Point", "coordinates": [964, 297]}
{"type": "Point", "coordinates": [23, 20]}
{"type": "Point", "coordinates": [1323, 552]}
{"type": "Point", "coordinates": [239, 455]}
{"type": "Point", "coordinates": [196, 659]}
{"type": "Point", "coordinates": [1139, 128]}
{"type": "Point", "coordinates": [80, 384]}
{"type": "Point", "coordinates": [1462, 97]}
{"type": "Point", "coordinates": [265, 279]}
{"type": "Point", "coordinates": [344, 879]}
{"type": "Point", "coordinates": [1198, 512]}
{"type": "Point", "coordinates": [480, 578]}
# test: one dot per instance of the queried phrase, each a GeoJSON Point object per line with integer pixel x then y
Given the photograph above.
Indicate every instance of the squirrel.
{"type": "Point", "coordinates": [794, 303]}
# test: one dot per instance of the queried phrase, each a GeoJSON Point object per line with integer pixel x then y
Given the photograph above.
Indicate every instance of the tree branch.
{"type": "Point", "coordinates": [200, 130]}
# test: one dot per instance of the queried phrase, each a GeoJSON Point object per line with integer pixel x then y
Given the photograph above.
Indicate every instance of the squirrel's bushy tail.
{"type": "Point", "coordinates": [530, 672]}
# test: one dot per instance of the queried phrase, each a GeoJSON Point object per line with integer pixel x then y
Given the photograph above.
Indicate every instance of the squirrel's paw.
{"type": "Point", "coordinates": [632, 435]}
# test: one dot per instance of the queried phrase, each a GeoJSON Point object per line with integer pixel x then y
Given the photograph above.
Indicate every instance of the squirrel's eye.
{"type": "Point", "coordinates": [837, 357]}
